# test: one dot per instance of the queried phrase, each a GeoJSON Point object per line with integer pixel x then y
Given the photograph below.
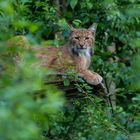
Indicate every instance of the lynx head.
{"type": "Point", "coordinates": [81, 40]}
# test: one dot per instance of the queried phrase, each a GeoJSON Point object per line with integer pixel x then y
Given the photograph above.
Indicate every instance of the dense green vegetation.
{"type": "Point", "coordinates": [116, 58]}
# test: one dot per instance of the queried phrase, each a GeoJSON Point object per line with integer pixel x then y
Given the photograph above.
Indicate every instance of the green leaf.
{"type": "Point", "coordinates": [135, 136]}
{"type": "Point", "coordinates": [73, 3]}
{"type": "Point", "coordinates": [66, 82]}
{"type": "Point", "coordinates": [77, 22]}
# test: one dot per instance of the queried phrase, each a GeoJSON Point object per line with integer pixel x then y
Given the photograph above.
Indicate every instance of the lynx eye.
{"type": "Point", "coordinates": [87, 38]}
{"type": "Point", "coordinates": [77, 38]}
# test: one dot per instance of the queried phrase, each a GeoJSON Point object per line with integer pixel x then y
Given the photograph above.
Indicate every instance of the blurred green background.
{"type": "Point", "coordinates": [116, 58]}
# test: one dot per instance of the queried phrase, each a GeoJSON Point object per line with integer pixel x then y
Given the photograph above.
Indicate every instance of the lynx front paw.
{"type": "Point", "coordinates": [94, 79]}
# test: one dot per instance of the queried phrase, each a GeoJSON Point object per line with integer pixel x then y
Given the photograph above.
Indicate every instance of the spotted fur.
{"type": "Point", "coordinates": [76, 55]}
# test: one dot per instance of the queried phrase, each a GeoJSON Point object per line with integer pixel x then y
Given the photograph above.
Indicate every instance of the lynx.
{"type": "Point", "coordinates": [76, 55]}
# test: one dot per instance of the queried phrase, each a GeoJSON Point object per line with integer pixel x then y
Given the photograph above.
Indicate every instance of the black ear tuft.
{"type": "Point", "coordinates": [71, 28]}
{"type": "Point", "coordinates": [93, 27]}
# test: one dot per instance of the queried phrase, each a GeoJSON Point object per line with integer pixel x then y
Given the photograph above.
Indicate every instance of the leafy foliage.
{"type": "Point", "coordinates": [24, 114]}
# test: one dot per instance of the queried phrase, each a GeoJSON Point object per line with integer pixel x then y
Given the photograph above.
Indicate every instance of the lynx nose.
{"type": "Point", "coordinates": [81, 46]}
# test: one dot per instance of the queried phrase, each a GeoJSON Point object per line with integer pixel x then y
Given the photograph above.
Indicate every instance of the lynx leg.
{"type": "Point", "coordinates": [97, 79]}
{"type": "Point", "coordinates": [91, 77]}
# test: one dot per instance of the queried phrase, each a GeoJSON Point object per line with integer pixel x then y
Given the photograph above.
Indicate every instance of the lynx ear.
{"type": "Point", "coordinates": [93, 27]}
{"type": "Point", "coordinates": [71, 28]}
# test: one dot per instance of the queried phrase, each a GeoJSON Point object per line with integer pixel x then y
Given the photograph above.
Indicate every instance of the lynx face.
{"type": "Point", "coordinates": [81, 41]}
